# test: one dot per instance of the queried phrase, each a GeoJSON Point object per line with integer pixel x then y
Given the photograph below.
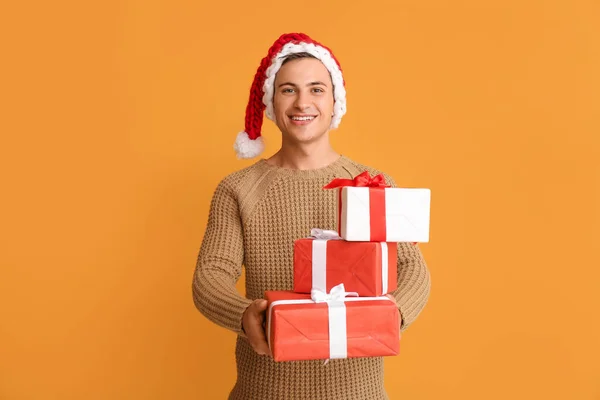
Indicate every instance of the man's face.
{"type": "Point", "coordinates": [303, 100]}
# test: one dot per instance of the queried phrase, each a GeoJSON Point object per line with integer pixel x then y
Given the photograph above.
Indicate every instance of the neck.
{"type": "Point", "coordinates": [304, 156]}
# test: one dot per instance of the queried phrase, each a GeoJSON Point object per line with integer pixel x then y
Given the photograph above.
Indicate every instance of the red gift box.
{"type": "Point", "coordinates": [368, 268]}
{"type": "Point", "coordinates": [300, 328]}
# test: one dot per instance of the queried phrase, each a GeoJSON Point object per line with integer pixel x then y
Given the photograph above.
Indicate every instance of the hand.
{"type": "Point", "coordinates": [253, 324]}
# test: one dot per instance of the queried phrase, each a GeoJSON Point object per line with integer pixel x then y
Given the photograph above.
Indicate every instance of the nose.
{"type": "Point", "coordinates": [302, 101]}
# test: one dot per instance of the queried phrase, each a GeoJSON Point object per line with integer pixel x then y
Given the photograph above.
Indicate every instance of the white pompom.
{"type": "Point", "coordinates": [248, 148]}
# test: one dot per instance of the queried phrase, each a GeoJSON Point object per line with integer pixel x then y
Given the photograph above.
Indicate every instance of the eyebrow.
{"type": "Point", "coordinates": [315, 83]}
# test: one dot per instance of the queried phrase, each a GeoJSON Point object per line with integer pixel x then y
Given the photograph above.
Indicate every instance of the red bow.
{"type": "Point", "coordinates": [362, 180]}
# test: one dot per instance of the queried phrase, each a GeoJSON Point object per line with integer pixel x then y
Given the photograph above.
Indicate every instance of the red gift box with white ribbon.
{"type": "Point", "coordinates": [323, 261]}
{"type": "Point", "coordinates": [320, 326]}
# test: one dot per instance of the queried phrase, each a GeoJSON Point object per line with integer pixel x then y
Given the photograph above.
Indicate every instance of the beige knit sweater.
{"type": "Point", "coordinates": [255, 216]}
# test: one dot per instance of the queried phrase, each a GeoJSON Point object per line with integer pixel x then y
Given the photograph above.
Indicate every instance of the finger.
{"type": "Point", "coordinates": [262, 348]}
{"type": "Point", "coordinates": [261, 313]}
{"type": "Point", "coordinates": [256, 322]}
{"type": "Point", "coordinates": [256, 326]}
{"type": "Point", "coordinates": [261, 305]}
{"type": "Point", "coordinates": [259, 344]}
{"type": "Point", "coordinates": [258, 340]}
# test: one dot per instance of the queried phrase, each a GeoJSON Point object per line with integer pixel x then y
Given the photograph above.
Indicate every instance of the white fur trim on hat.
{"type": "Point", "coordinates": [246, 147]}
{"type": "Point", "coordinates": [339, 92]}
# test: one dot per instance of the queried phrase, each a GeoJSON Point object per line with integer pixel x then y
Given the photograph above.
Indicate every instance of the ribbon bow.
{"type": "Point", "coordinates": [361, 180]}
{"type": "Point", "coordinates": [324, 234]}
{"type": "Point", "coordinates": [337, 294]}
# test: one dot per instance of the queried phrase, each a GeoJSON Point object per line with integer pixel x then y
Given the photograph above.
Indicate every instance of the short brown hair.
{"type": "Point", "coordinates": [296, 56]}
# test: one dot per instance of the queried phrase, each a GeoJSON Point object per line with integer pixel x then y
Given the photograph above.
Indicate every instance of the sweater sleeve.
{"type": "Point", "coordinates": [414, 280]}
{"type": "Point", "coordinates": [219, 264]}
{"type": "Point", "coordinates": [413, 283]}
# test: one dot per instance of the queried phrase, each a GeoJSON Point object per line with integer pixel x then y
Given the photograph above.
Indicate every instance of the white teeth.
{"type": "Point", "coordinates": [303, 118]}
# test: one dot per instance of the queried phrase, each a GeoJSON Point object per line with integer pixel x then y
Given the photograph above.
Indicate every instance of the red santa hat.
{"type": "Point", "coordinates": [249, 143]}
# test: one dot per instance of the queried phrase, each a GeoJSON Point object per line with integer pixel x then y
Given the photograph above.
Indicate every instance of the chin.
{"type": "Point", "coordinates": [305, 137]}
{"type": "Point", "coordinates": [311, 133]}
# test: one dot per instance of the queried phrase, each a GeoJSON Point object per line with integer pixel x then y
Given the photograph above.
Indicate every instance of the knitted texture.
{"type": "Point", "coordinates": [255, 216]}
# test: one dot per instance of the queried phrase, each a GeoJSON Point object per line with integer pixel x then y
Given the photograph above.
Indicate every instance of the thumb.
{"type": "Point", "coordinates": [261, 305]}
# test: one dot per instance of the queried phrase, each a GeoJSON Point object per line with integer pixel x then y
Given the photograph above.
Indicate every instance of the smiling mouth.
{"type": "Point", "coordinates": [302, 118]}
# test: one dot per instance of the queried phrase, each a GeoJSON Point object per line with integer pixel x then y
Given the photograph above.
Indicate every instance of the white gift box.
{"type": "Point", "coordinates": [384, 214]}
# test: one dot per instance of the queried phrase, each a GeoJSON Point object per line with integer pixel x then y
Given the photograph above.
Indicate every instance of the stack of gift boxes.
{"type": "Point", "coordinates": [338, 308]}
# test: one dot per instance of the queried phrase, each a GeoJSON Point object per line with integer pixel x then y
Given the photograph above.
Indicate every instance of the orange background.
{"type": "Point", "coordinates": [117, 122]}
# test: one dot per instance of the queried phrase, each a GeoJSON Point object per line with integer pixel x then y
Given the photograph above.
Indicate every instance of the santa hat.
{"type": "Point", "coordinates": [249, 143]}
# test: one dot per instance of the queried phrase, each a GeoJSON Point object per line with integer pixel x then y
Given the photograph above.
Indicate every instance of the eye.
{"type": "Point", "coordinates": [287, 90]}
{"type": "Point", "coordinates": [318, 90]}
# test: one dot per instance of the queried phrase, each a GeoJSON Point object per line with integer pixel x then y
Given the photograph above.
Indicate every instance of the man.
{"type": "Point", "coordinates": [257, 213]}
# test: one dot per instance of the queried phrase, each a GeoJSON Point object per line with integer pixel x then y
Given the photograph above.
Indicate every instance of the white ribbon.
{"type": "Point", "coordinates": [319, 259]}
{"type": "Point", "coordinates": [324, 234]}
{"type": "Point", "coordinates": [319, 256]}
{"type": "Point", "coordinates": [338, 336]}
{"type": "Point", "coordinates": [384, 267]}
